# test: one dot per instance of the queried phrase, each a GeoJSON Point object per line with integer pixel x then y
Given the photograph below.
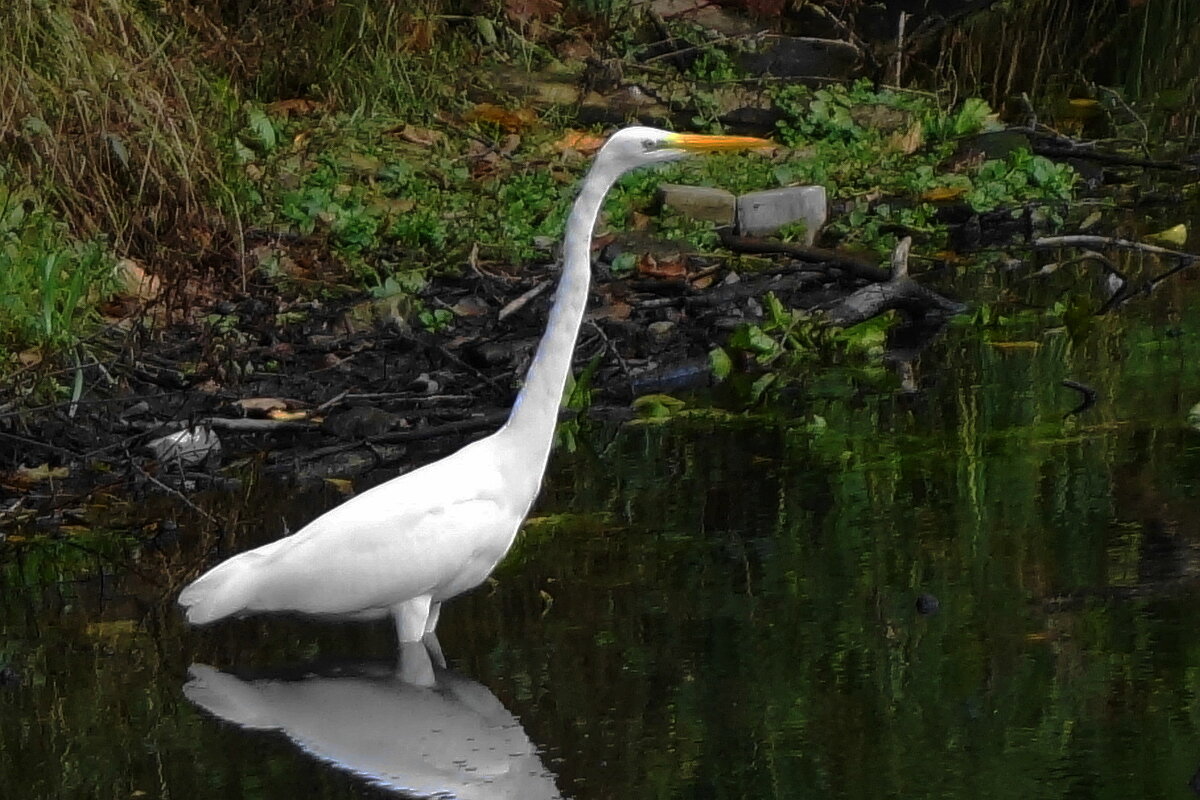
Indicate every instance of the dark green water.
{"type": "Point", "coordinates": [720, 608]}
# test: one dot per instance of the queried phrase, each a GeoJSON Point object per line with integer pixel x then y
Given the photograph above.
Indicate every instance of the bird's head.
{"type": "Point", "coordinates": [633, 147]}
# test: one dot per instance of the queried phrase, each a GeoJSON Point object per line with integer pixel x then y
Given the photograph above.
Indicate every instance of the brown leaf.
{"type": "Point", "coordinates": [134, 280]}
{"type": "Point", "coordinates": [30, 358]}
{"type": "Point", "coordinates": [909, 141]}
{"type": "Point", "coordinates": [426, 137]}
{"type": "Point", "coordinates": [664, 267]}
{"type": "Point", "coordinates": [343, 485]}
{"type": "Point", "coordinates": [579, 141]}
{"type": "Point", "coordinates": [27, 477]}
{"type": "Point", "coordinates": [260, 406]}
{"type": "Point", "coordinates": [511, 121]}
{"type": "Point", "coordinates": [523, 12]}
{"type": "Point", "coordinates": [297, 106]}
{"type": "Point", "coordinates": [941, 194]}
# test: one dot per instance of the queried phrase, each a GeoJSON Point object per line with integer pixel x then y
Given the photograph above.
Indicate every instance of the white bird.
{"type": "Point", "coordinates": [445, 737]}
{"type": "Point", "coordinates": [406, 546]}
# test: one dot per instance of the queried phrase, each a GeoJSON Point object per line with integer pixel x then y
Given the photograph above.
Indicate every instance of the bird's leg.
{"type": "Point", "coordinates": [414, 666]}
{"type": "Point", "coordinates": [435, 611]}
{"type": "Point", "coordinates": [412, 618]}
{"type": "Point", "coordinates": [434, 647]}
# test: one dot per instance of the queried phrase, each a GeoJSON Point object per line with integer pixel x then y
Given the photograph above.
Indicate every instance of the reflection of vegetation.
{"type": "Point", "coordinates": [725, 606]}
{"type": "Point", "coordinates": [1144, 54]}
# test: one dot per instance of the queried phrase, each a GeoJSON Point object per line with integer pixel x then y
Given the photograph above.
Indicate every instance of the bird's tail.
{"type": "Point", "coordinates": [223, 590]}
{"type": "Point", "coordinates": [227, 697]}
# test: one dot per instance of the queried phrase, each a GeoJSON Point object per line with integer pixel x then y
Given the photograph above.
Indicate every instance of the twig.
{"type": "Point", "coordinates": [900, 258]}
{"type": "Point", "coordinates": [1076, 240]}
{"type": "Point", "coordinates": [1090, 396]}
{"type": "Point", "coordinates": [855, 267]}
{"type": "Point", "coordinates": [169, 489]}
{"type": "Point", "coordinates": [522, 301]}
{"type": "Point", "coordinates": [608, 345]}
{"type": "Point", "coordinates": [43, 445]}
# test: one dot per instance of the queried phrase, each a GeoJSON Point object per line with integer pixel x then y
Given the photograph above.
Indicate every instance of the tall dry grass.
{"type": "Point", "coordinates": [110, 118]}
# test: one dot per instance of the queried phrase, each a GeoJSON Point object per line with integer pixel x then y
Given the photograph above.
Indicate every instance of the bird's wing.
{"type": "Point", "coordinates": [391, 543]}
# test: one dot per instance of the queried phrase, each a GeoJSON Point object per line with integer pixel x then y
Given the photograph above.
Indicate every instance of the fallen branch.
{"type": "Point", "coordinates": [825, 259]}
{"type": "Point", "coordinates": [1079, 240]}
{"type": "Point", "coordinates": [1090, 396]}
{"type": "Point", "coordinates": [899, 292]}
{"type": "Point", "coordinates": [1116, 159]}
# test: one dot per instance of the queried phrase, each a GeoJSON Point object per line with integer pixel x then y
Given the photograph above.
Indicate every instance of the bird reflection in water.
{"type": "Point", "coordinates": [422, 731]}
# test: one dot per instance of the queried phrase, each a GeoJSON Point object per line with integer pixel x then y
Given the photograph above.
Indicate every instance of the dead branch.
{"type": "Point", "coordinates": [821, 258]}
{"type": "Point", "coordinates": [1090, 396]}
{"type": "Point", "coordinates": [1078, 240]}
{"type": "Point", "coordinates": [1116, 159]}
{"type": "Point", "coordinates": [900, 293]}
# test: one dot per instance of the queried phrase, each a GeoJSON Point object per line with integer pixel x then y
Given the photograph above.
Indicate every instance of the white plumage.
{"type": "Point", "coordinates": [407, 545]}
{"type": "Point", "coordinates": [441, 737]}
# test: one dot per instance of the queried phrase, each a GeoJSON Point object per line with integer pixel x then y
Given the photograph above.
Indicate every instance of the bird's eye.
{"type": "Point", "coordinates": [649, 145]}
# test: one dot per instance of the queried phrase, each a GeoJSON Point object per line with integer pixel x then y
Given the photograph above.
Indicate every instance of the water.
{"type": "Point", "coordinates": [712, 607]}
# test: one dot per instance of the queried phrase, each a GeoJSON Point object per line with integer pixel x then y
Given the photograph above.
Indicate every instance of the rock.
{"type": "Point", "coordinates": [764, 213]}
{"type": "Point", "coordinates": [488, 354]}
{"type": "Point", "coordinates": [928, 605]}
{"type": "Point", "coordinates": [1193, 417]}
{"type": "Point", "coordinates": [360, 422]}
{"type": "Point", "coordinates": [883, 118]}
{"type": "Point", "coordinates": [189, 446]}
{"type": "Point", "coordinates": [700, 202]}
{"type": "Point", "coordinates": [423, 384]}
{"type": "Point", "coordinates": [661, 329]}
{"type": "Point", "coordinates": [798, 56]}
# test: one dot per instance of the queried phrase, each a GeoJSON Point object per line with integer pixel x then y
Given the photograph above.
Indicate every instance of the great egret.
{"type": "Point", "coordinates": [447, 737]}
{"type": "Point", "coordinates": [407, 545]}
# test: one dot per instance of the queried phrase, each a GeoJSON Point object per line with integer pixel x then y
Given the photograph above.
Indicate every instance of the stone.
{"type": "Point", "coordinates": [700, 202]}
{"type": "Point", "coordinates": [189, 446]}
{"type": "Point", "coordinates": [799, 56]}
{"type": "Point", "coordinates": [764, 213]}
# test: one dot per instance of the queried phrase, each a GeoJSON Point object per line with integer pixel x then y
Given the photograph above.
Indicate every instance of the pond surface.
{"type": "Point", "coordinates": [715, 606]}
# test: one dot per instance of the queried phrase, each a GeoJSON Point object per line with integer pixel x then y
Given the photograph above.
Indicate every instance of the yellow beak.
{"type": "Point", "coordinates": [701, 143]}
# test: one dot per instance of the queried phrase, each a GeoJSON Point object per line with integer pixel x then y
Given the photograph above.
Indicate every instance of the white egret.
{"type": "Point", "coordinates": [407, 545]}
{"type": "Point", "coordinates": [445, 737]}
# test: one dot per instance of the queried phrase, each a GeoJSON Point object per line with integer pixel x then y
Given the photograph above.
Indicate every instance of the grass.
{"type": "Point", "coordinates": [160, 134]}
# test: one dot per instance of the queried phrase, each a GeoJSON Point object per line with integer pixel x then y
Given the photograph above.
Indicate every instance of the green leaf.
{"type": "Point", "coordinates": [720, 363]}
{"type": "Point", "coordinates": [261, 127]}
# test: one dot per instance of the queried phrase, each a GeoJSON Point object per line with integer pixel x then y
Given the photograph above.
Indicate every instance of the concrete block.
{"type": "Point", "coordinates": [764, 213]}
{"type": "Point", "coordinates": [700, 202]}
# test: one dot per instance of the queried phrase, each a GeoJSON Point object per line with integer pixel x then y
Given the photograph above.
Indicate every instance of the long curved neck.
{"type": "Point", "coordinates": [535, 413]}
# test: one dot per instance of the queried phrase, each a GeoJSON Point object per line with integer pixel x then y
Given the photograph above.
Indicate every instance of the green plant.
{"type": "Point", "coordinates": [1020, 178]}
{"type": "Point", "coordinates": [436, 320]}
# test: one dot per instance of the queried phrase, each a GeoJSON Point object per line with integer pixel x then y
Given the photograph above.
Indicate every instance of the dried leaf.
{"type": "Point", "coordinates": [28, 476]}
{"type": "Point", "coordinates": [1176, 235]}
{"type": "Point", "coordinates": [113, 629]}
{"type": "Point", "coordinates": [523, 12]}
{"type": "Point", "coordinates": [30, 358]}
{"type": "Point", "coordinates": [426, 137]}
{"type": "Point", "coordinates": [341, 484]}
{"type": "Point", "coordinates": [908, 142]}
{"type": "Point", "coordinates": [942, 194]}
{"type": "Point", "coordinates": [134, 280]}
{"type": "Point", "coordinates": [297, 106]}
{"type": "Point", "coordinates": [287, 416]}
{"type": "Point", "coordinates": [580, 142]}
{"type": "Point", "coordinates": [664, 267]}
{"type": "Point", "coordinates": [511, 121]}
{"type": "Point", "coordinates": [260, 406]}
